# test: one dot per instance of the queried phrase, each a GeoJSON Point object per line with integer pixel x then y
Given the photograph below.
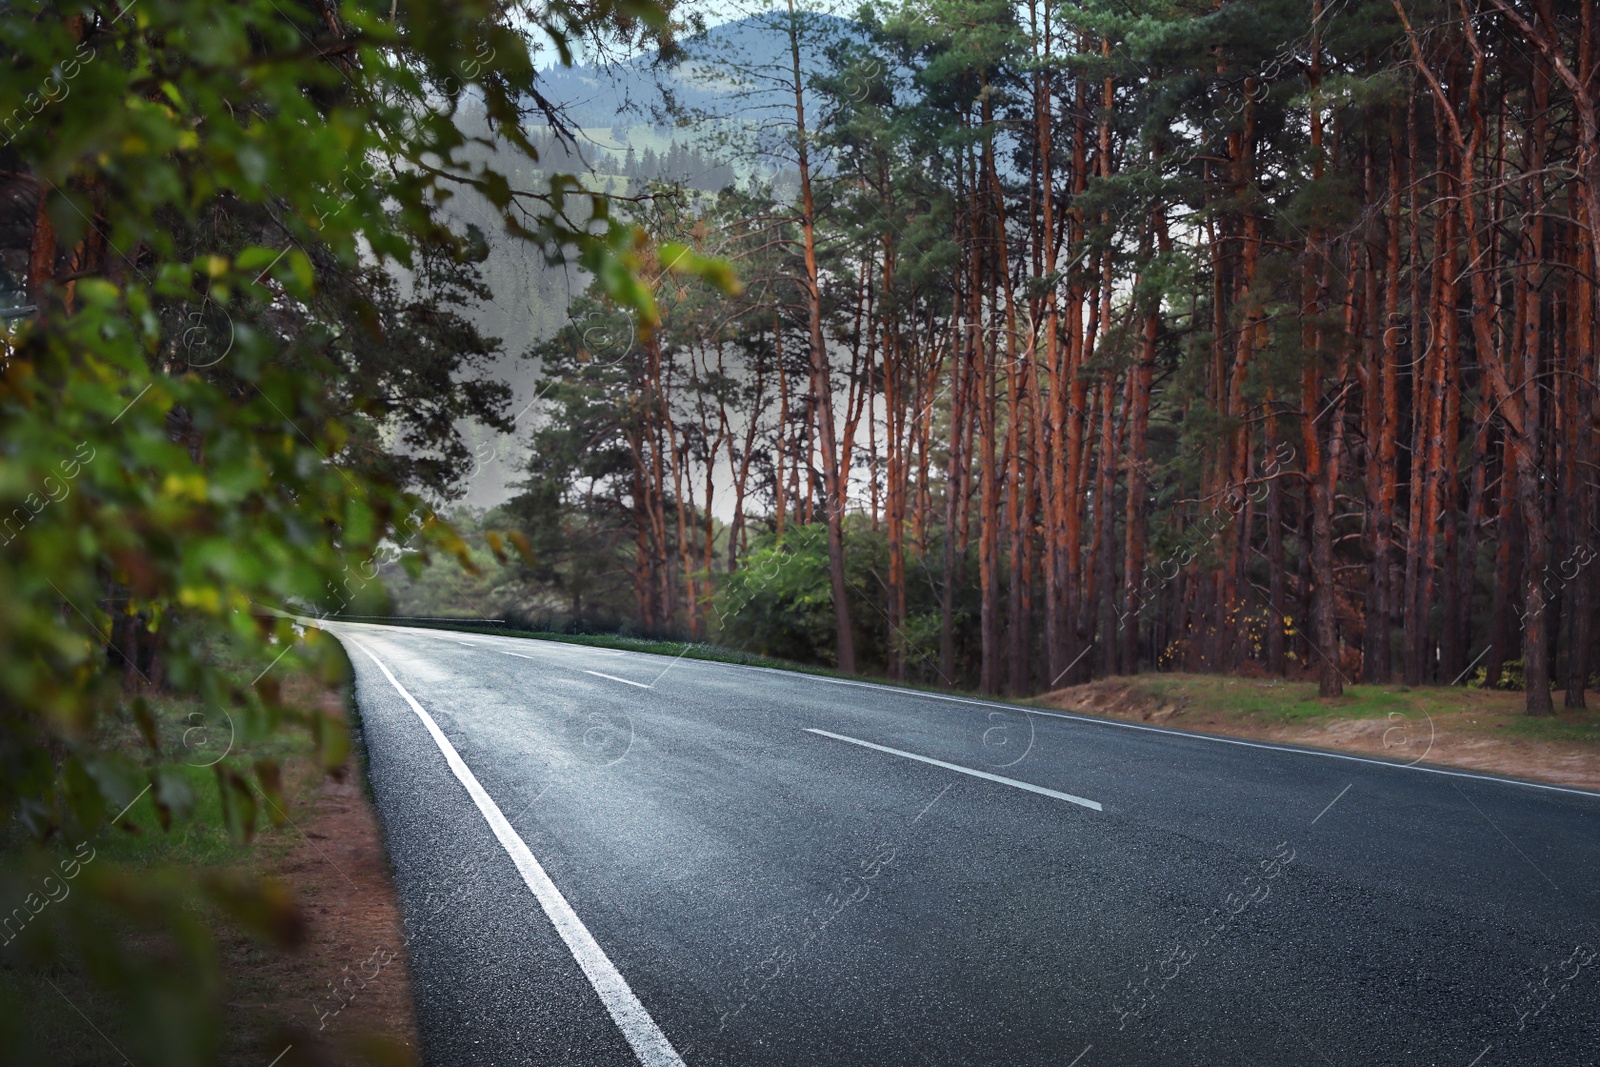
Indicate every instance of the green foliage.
{"type": "Point", "coordinates": [779, 602]}
{"type": "Point", "coordinates": [249, 348]}
{"type": "Point", "coordinates": [1511, 677]}
{"type": "Point", "coordinates": [122, 922]}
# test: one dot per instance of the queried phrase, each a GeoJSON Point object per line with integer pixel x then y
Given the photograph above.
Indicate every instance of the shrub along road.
{"type": "Point", "coordinates": [614, 857]}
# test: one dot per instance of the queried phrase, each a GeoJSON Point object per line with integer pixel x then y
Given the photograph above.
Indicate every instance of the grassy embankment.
{"type": "Point", "coordinates": [1265, 702]}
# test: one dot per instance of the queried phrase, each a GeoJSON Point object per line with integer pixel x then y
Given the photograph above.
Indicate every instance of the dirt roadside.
{"type": "Point", "coordinates": [343, 995]}
{"type": "Point", "coordinates": [1462, 728]}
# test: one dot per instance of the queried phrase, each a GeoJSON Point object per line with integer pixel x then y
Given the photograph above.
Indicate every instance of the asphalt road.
{"type": "Point", "coordinates": [615, 858]}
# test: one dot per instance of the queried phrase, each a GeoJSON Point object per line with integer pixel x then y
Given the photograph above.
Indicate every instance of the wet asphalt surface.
{"type": "Point", "coordinates": [774, 895]}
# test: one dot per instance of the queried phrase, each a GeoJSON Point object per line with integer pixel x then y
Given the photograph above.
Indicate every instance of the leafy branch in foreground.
{"type": "Point", "coordinates": [240, 348]}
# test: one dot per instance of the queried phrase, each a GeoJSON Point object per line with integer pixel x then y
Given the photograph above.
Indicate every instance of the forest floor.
{"type": "Point", "coordinates": [328, 851]}
{"type": "Point", "coordinates": [1478, 729]}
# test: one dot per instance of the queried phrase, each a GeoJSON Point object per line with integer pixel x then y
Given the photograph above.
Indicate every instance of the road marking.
{"type": "Point", "coordinates": [519, 655]}
{"type": "Point", "coordinates": [1090, 720]}
{"type": "Point", "coordinates": [1030, 787]}
{"type": "Point", "coordinates": [614, 678]}
{"type": "Point", "coordinates": [649, 1044]}
{"type": "Point", "coordinates": [1190, 735]}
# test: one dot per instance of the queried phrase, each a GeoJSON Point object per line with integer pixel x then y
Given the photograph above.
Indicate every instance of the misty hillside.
{"type": "Point", "coordinates": [636, 91]}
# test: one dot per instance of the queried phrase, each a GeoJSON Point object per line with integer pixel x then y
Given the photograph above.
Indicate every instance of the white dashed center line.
{"type": "Point", "coordinates": [985, 775]}
{"type": "Point", "coordinates": [614, 678]}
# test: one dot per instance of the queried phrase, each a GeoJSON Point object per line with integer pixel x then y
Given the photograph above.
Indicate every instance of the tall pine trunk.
{"type": "Point", "coordinates": [821, 375]}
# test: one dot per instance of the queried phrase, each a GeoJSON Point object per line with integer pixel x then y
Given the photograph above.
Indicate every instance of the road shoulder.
{"type": "Point", "coordinates": [1469, 729]}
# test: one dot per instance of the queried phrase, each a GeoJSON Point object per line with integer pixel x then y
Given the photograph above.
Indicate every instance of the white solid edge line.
{"type": "Point", "coordinates": [649, 1044]}
{"type": "Point", "coordinates": [1029, 786]}
{"type": "Point", "coordinates": [614, 678]}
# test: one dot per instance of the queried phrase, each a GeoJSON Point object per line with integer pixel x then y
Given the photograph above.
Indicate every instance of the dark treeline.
{"type": "Point", "coordinates": [1099, 339]}
{"type": "Point", "coordinates": [680, 164]}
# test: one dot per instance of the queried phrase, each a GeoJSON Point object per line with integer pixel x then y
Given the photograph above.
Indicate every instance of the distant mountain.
{"type": "Point", "coordinates": [623, 140]}
{"type": "Point", "coordinates": [631, 93]}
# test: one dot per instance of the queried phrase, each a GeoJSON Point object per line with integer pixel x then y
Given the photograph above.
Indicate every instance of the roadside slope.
{"type": "Point", "coordinates": [1476, 729]}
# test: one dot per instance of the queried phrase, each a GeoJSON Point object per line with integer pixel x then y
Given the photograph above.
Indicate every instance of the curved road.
{"type": "Point", "coordinates": [616, 858]}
